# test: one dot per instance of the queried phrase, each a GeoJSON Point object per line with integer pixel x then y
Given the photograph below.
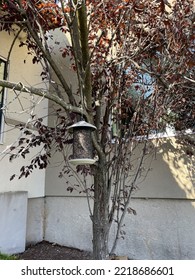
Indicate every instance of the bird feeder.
{"type": "Point", "coordinates": [82, 143]}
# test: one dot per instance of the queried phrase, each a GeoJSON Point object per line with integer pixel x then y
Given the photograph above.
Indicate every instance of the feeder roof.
{"type": "Point", "coordinates": [82, 124]}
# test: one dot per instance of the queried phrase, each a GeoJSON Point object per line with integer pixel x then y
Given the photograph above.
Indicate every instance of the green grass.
{"type": "Point", "coordinates": [7, 257]}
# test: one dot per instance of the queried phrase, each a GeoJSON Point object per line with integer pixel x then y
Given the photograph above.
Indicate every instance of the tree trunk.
{"type": "Point", "coordinates": [100, 215]}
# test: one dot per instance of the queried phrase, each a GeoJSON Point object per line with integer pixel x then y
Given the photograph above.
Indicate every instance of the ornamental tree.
{"type": "Point", "coordinates": [134, 65]}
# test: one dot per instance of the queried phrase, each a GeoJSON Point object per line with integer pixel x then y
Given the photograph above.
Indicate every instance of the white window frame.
{"type": "Point", "coordinates": [2, 120]}
{"type": "Point", "coordinates": [169, 132]}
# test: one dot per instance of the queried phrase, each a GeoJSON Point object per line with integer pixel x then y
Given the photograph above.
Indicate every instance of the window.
{"type": "Point", "coordinates": [167, 126]}
{"type": "Point", "coordinates": [138, 92]}
{"type": "Point", "coordinates": [2, 92]}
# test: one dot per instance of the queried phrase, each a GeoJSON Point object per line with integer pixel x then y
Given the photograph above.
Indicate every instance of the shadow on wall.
{"type": "Point", "coordinates": [180, 158]}
{"type": "Point", "coordinates": [172, 174]}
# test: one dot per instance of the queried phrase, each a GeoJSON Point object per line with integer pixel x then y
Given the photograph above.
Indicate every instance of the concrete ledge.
{"type": "Point", "coordinates": [35, 220]}
{"type": "Point", "coordinates": [13, 209]}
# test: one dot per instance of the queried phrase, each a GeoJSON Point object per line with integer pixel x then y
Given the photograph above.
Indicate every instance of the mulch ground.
{"type": "Point", "coordinates": [51, 251]}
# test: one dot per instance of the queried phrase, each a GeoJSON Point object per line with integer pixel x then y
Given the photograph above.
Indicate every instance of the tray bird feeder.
{"type": "Point", "coordinates": [82, 143]}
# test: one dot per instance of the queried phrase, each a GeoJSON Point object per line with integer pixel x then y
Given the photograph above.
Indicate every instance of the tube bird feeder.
{"type": "Point", "coordinates": [82, 143]}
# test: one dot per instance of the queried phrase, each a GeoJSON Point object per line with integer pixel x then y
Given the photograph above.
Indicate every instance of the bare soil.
{"type": "Point", "coordinates": [51, 251]}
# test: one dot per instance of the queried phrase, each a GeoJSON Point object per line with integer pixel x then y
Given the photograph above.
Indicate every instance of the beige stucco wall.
{"type": "Point", "coordinates": [171, 174]}
{"type": "Point", "coordinates": [21, 70]}
{"type": "Point", "coordinates": [17, 110]}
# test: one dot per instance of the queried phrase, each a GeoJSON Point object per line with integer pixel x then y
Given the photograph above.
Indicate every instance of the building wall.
{"type": "Point", "coordinates": [21, 221]}
{"type": "Point", "coordinates": [35, 228]}
{"type": "Point", "coordinates": [171, 174]}
{"type": "Point", "coordinates": [164, 225]}
{"type": "Point", "coordinates": [17, 110]}
{"type": "Point", "coordinates": [162, 228]}
{"type": "Point", "coordinates": [13, 209]}
{"type": "Point", "coordinates": [164, 201]}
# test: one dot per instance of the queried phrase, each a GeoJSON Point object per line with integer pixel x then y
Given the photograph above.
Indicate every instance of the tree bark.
{"type": "Point", "coordinates": [100, 214]}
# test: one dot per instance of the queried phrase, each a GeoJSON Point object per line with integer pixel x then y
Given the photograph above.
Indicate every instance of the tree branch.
{"type": "Point", "coordinates": [46, 54]}
{"type": "Point", "coordinates": [82, 17]}
{"type": "Point", "coordinates": [188, 79]}
{"type": "Point", "coordinates": [43, 93]}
